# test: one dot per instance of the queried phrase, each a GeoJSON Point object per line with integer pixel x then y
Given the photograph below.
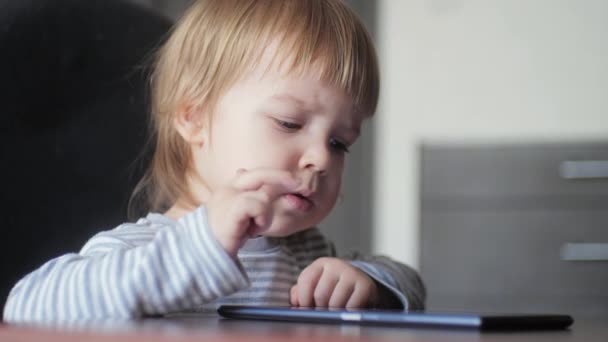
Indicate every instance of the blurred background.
{"type": "Point", "coordinates": [492, 115]}
{"type": "Point", "coordinates": [486, 164]}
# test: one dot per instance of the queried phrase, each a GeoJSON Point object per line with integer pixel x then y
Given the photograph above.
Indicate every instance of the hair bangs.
{"type": "Point", "coordinates": [327, 37]}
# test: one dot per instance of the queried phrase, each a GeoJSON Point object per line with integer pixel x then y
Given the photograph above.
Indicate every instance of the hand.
{"type": "Point", "coordinates": [244, 209]}
{"type": "Point", "coordinates": [331, 282]}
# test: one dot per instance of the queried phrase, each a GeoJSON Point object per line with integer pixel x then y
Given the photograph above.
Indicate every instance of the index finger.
{"type": "Point", "coordinates": [255, 179]}
{"type": "Point", "coordinates": [307, 283]}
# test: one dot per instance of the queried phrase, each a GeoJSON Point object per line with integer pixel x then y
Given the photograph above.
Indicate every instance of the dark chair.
{"type": "Point", "coordinates": [73, 108]}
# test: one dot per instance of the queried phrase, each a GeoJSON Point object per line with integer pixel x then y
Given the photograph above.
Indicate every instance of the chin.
{"type": "Point", "coordinates": [285, 229]}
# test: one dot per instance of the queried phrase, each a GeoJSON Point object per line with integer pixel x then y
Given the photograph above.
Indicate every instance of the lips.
{"type": "Point", "coordinates": [298, 202]}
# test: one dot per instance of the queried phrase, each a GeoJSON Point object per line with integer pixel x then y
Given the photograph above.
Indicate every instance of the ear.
{"type": "Point", "coordinates": [188, 122]}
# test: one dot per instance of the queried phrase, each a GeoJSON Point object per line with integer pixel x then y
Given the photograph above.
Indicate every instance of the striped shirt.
{"type": "Point", "coordinates": [159, 266]}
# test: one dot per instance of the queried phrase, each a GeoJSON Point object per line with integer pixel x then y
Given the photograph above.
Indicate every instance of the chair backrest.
{"type": "Point", "coordinates": [73, 108]}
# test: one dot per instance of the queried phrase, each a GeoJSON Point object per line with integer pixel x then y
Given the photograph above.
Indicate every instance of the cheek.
{"type": "Point", "coordinates": [261, 142]}
{"type": "Point", "coordinates": [238, 152]}
{"type": "Point", "coordinates": [333, 190]}
{"type": "Point", "coordinates": [263, 157]}
{"type": "Point", "coordinates": [266, 152]}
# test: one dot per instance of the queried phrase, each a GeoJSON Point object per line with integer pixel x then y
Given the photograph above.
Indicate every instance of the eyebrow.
{"type": "Point", "coordinates": [289, 98]}
{"type": "Point", "coordinates": [354, 130]}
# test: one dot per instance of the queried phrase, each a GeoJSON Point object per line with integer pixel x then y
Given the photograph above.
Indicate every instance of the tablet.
{"type": "Point", "coordinates": [400, 318]}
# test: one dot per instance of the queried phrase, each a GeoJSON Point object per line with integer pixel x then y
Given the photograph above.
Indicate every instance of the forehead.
{"type": "Point", "coordinates": [304, 90]}
{"type": "Point", "coordinates": [280, 61]}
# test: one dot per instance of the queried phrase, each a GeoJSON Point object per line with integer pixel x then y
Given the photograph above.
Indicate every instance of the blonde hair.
{"type": "Point", "coordinates": [216, 42]}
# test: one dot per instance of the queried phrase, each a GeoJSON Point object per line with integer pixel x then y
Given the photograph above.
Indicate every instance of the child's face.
{"type": "Point", "coordinates": [292, 123]}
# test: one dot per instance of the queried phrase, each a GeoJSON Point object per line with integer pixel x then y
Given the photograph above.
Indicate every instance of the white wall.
{"type": "Point", "coordinates": [482, 71]}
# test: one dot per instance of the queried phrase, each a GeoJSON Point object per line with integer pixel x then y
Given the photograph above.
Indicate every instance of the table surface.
{"type": "Point", "coordinates": [210, 326]}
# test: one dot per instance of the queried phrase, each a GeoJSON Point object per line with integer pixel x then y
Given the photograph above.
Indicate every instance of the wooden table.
{"type": "Point", "coordinates": [210, 327]}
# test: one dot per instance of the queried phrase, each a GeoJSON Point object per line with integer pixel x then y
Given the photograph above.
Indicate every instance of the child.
{"type": "Point", "coordinates": [255, 104]}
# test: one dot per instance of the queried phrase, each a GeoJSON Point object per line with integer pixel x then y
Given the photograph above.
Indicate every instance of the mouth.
{"type": "Point", "coordinates": [300, 201]}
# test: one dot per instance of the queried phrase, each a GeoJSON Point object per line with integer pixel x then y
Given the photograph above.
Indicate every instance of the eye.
{"type": "Point", "coordinates": [338, 146]}
{"type": "Point", "coordinates": [287, 125]}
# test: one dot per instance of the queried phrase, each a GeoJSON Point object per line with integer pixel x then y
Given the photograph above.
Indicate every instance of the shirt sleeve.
{"type": "Point", "coordinates": [176, 268]}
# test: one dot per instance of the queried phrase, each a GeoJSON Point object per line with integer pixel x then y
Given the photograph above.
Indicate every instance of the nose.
{"type": "Point", "coordinates": [316, 158]}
